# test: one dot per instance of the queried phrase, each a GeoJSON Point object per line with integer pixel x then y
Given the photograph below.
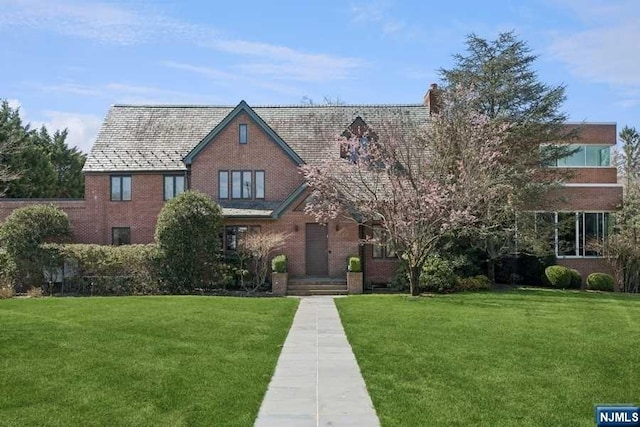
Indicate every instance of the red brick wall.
{"type": "Point", "coordinates": [140, 213]}
{"type": "Point", "coordinates": [583, 199]}
{"type": "Point", "coordinates": [593, 176]}
{"type": "Point", "coordinates": [342, 241]}
{"type": "Point", "coordinates": [260, 153]}
{"type": "Point", "coordinates": [595, 133]}
{"type": "Point", "coordinates": [81, 223]}
{"type": "Point", "coordinates": [586, 266]}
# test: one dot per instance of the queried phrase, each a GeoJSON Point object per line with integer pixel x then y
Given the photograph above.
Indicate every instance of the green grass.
{"type": "Point", "coordinates": [521, 358]}
{"type": "Point", "coordinates": [138, 361]}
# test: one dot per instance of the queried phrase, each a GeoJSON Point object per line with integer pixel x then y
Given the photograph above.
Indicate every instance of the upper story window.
{"type": "Point", "coordinates": [585, 155]}
{"type": "Point", "coordinates": [242, 184]}
{"type": "Point", "coordinates": [242, 133]}
{"type": "Point", "coordinates": [120, 187]}
{"type": "Point", "coordinates": [173, 185]}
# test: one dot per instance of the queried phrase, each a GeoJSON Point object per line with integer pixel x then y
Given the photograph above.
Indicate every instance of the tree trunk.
{"type": "Point", "coordinates": [414, 279]}
{"type": "Point", "coordinates": [491, 270]}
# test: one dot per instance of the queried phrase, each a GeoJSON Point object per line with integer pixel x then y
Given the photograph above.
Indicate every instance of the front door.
{"type": "Point", "coordinates": [317, 253]}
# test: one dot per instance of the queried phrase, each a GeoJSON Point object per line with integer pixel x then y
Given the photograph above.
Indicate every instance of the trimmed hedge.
{"type": "Point", "coordinates": [108, 270]}
{"type": "Point", "coordinates": [279, 264]}
{"type": "Point", "coordinates": [576, 279]}
{"type": "Point", "coordinates": [558, 276]}
{"type": "Point", "coordinates": [438, 275]}
{"type": "Point", "coordinates": [600, 282]}
{"type": "Point", "coordinates": [354, 265]}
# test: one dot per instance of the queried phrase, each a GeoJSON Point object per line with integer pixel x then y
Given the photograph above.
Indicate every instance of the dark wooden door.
{"type": "Point", "coordinates": [317, 250]}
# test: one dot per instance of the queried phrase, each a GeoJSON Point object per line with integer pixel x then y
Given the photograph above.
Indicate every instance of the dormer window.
{"type": "Point", "coordinates": [242, 133]}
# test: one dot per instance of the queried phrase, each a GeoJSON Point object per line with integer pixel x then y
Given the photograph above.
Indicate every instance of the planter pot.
{"type": "Point", "coordinates": [354, 282]}
{"type": "Point", "coordinates": [279, 283]}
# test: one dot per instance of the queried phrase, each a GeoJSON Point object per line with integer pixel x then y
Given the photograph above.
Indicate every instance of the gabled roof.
{"type": "Point", "coordinates": [158, 138]}
{"type": "Point", "coordinates": [242, 107]}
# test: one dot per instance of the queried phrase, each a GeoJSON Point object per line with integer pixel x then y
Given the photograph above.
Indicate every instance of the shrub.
{"type": "Point", "coordinates": [475, 283]}
{"type": "Point", "coordinates": [400, 279]}
{"type": "Point", "coordinates": [600, 282]}
{"type": "Point", "coordinates": [187, 234]}
{"type": "Point", "coordinates": [279, 264]}
{"type": "Point", "coordinates": [576, 279]}
{"type": "Point", "coordinates": [35, 292]}
{"type": "Point", "coordinates": [254, 251]}
{"type": "Point", "coordinates": [24, 231]}
{"type": "Point", "coordinates": [438, 275]}
{"type": "Point", "coordinates": [6, 289]}
{"type": "Point", "coordinates": [559, 276]}
{"type": "Point", "coordinates": [109, 270]}
{"type": "Point", "coordinates": [354, 265]}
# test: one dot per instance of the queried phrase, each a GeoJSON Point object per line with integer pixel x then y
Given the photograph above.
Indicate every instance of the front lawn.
{"type": "Point", "coordinates": [138, 361]}
{"type": "Point", "coordinates": [521, 358]}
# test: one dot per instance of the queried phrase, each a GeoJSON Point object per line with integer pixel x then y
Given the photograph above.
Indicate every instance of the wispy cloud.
{"type": "Point", "coordinates": [140, 24]}
{"type": "Point", "coordinates": [379, 12]}
{"type": "Point", "coordinates": [607, 50]}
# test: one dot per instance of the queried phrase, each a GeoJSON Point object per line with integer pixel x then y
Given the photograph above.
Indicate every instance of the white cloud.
{"type": "Point", "coordinates": [83, 128]}
{"type": "Point", "coordinates": [378, 12]}
{"type": "Point", "coordinates": [607, 50]}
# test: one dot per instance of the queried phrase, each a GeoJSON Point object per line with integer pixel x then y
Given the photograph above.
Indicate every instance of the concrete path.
{"type": "Point", "coordinates": [317, 380]}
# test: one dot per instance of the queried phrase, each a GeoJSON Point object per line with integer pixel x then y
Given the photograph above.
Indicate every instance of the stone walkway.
{"type": "Point", "coordinates": [317, 380]}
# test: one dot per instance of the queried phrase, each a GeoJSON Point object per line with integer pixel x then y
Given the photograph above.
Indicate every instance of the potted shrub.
{"type": "Point", "coordinates": [354, 275]}
{"type": "Point", "coordinates": [279, 275]}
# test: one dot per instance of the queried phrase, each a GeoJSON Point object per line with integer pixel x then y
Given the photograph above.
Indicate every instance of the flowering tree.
{"type": "Point", "coordinates": [256, 249]}
{"type": "Point", "coordinates": [419, 181]}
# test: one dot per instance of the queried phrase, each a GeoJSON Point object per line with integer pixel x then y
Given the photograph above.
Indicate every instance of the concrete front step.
{"type": "Point", "coordinates": [306, 286]}
{"type": "Point", "coordinates": [317, 291]}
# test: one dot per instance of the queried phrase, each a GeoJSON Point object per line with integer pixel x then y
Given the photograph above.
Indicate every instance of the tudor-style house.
{"type": "Point", "coordinates": [247, 159]}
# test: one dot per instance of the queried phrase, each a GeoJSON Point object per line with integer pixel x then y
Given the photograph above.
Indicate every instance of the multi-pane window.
{"type": "Point", "coordinates": [242, 184]}
{"type": "Point", "coordinates": [234, 234]}
{"type": "Point", "coordinates": [382, 247]}
{"type": "Point", "coordinates": [120, 236]}
{"type": "Point", "coordinates": [585, 155]}
{"type": "Point", "coordinates": [173, 185]}
{"type": "Point", "coordinates": [120, 187]}
{"type": "Point", "coordinates": [242, 133]}
{"type": "Point", "coordinates": [575, 233]}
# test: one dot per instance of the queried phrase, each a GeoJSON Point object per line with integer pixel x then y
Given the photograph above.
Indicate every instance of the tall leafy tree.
{"type": "Point", "coordinates": [36, 163]}
{"type": "Point", "coordinates": [507, 89]}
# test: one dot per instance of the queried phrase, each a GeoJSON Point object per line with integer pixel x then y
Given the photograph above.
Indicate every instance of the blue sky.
{"type": "Point", "coordinates": [64, 62]}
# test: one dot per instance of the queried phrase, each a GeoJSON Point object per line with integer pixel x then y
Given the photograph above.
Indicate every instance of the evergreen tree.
{"type": "Point", "coordinates": [36, 163]}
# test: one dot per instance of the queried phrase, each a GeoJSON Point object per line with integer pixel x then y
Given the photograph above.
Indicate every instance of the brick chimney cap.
{"type": "Point", "coordinates": [434, 86]}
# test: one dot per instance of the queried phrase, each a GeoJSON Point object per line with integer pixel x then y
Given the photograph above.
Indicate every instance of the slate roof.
{"type": "Point", "coordinates": [157, 138]}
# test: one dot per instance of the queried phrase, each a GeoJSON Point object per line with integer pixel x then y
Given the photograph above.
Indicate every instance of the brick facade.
{"type": "Point", "coordinates": [93, 218]}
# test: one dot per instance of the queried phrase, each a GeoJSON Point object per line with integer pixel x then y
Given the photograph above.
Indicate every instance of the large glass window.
{"type": "Point", "coordinates": [576, 233]}
{"type": "Point", "coordinates": [589, 155]}
{"type": "Point", "coordinates": [120, 187]}
{"type": "Point", "coordinates": [173, 185]}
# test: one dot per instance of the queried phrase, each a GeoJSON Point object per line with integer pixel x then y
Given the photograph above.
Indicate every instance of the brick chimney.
{"type": "Point", "coordinates": [431, 99]}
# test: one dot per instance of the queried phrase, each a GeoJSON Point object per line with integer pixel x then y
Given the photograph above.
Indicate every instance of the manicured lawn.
{"type": "Point", "coordinates": [521, 358]}
{"type": "Point", "coordinates": [138, 361]}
